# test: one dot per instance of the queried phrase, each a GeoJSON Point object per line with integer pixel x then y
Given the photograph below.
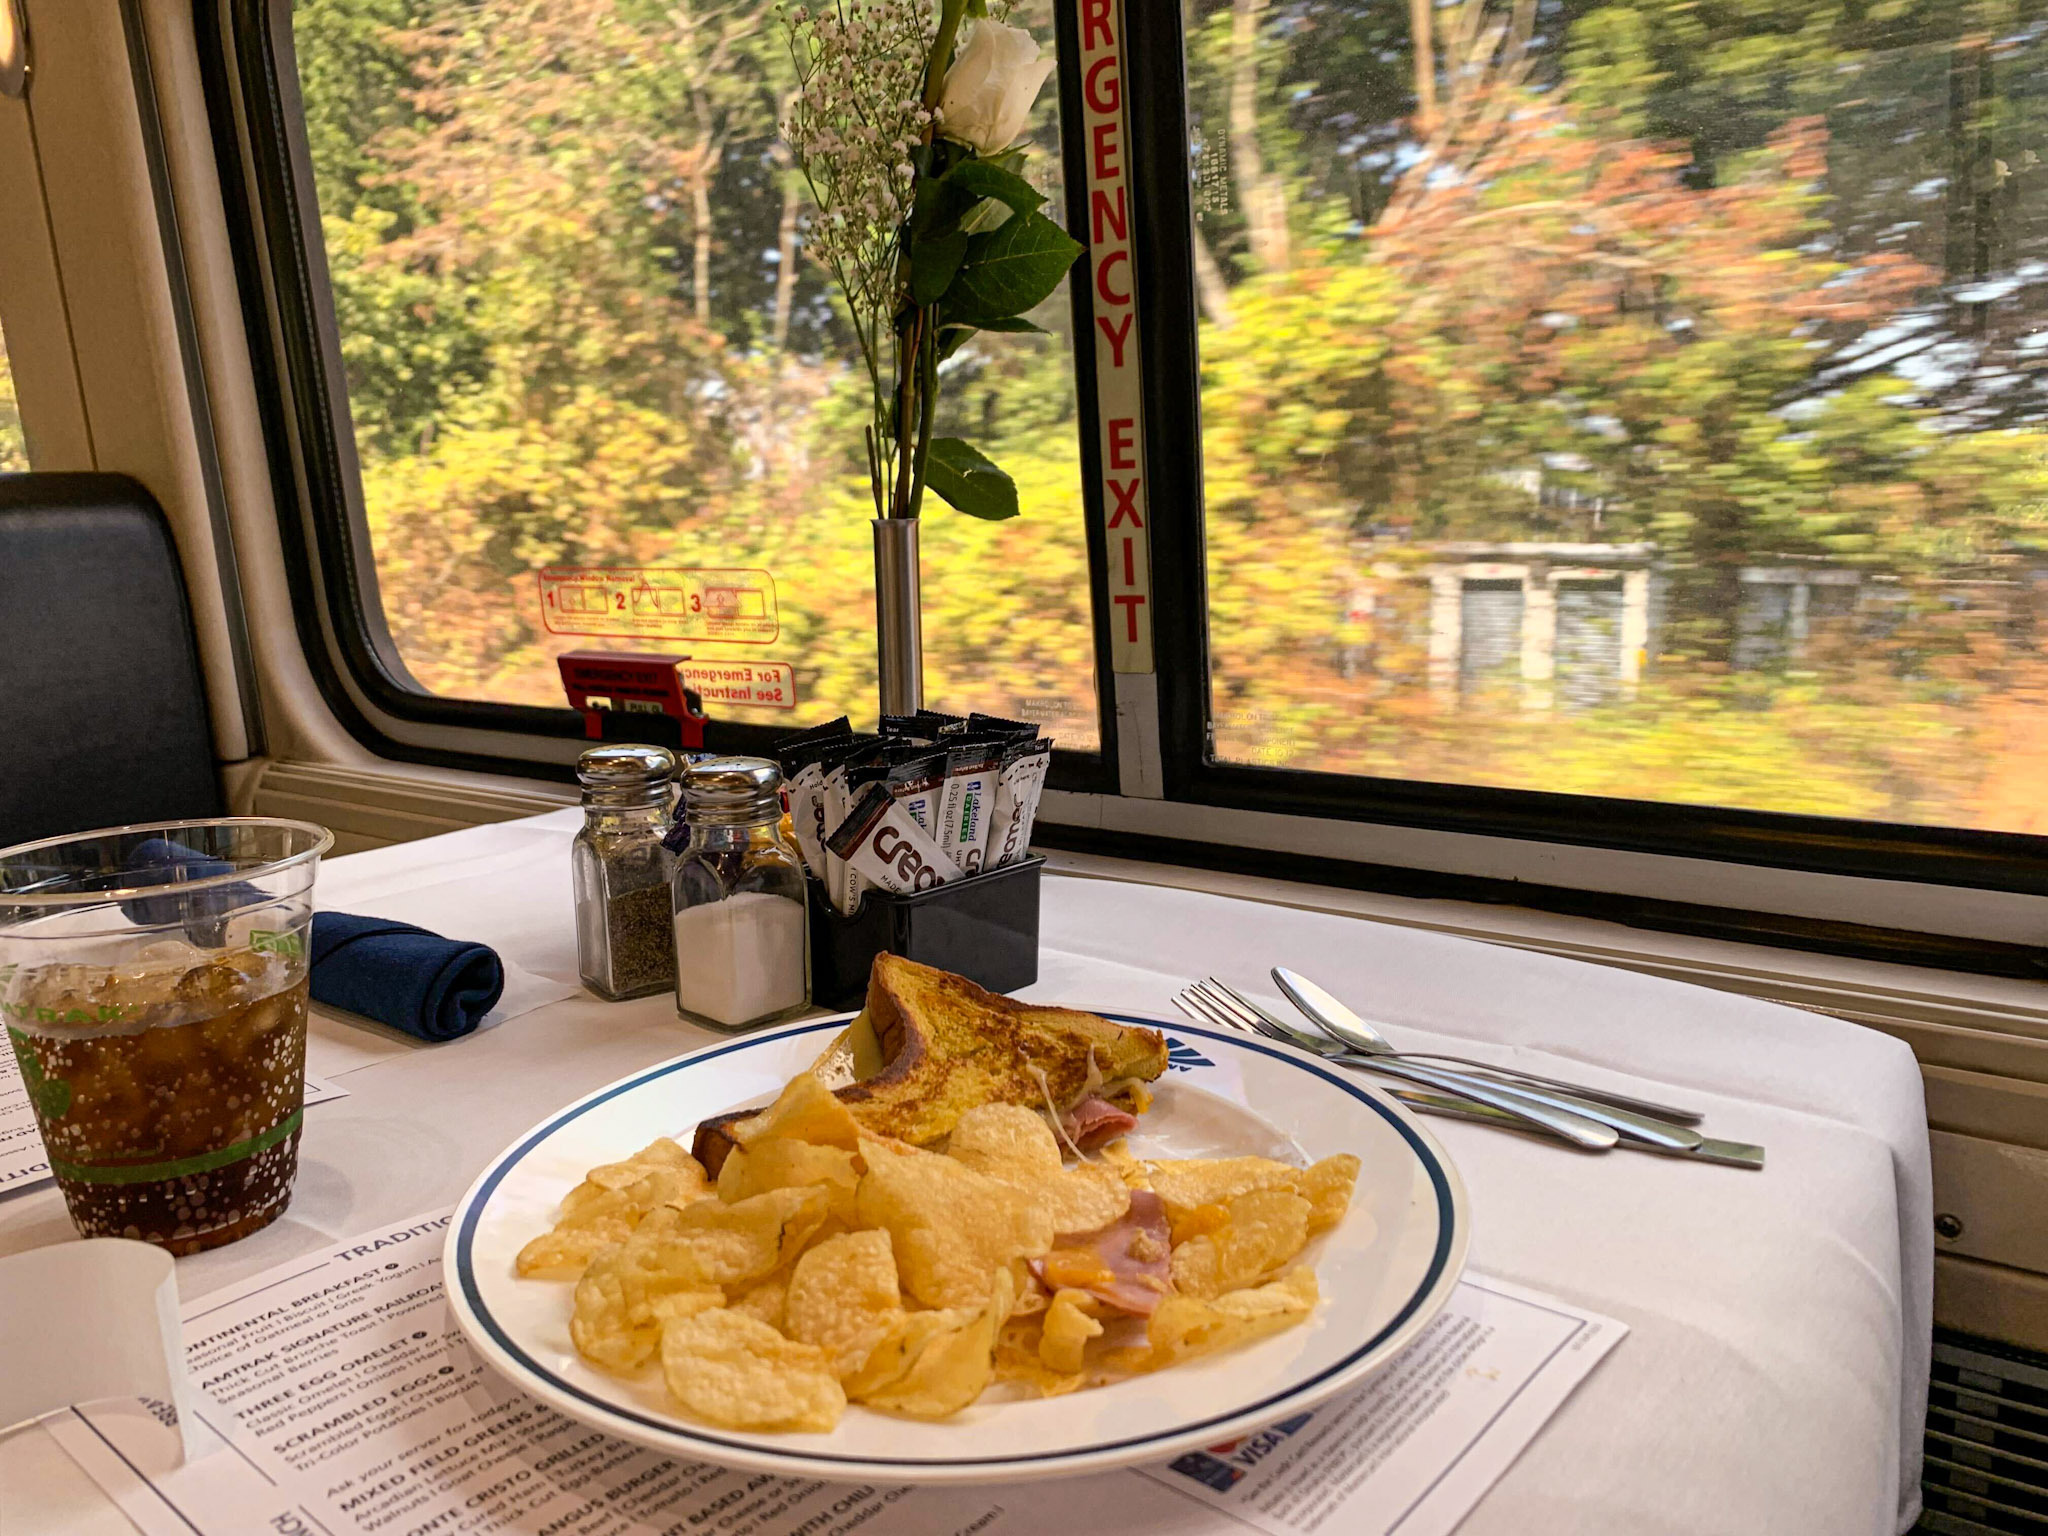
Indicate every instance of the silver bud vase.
{"type": "Point", "coordinates": [899, 618]}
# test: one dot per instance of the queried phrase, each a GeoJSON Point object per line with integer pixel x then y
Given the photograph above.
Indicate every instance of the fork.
{"type": "Point", "coordinates": [1214, 1006]}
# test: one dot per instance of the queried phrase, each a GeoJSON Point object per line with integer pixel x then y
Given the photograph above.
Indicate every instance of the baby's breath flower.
{"type": "Point", "coordinates": [857, 113]}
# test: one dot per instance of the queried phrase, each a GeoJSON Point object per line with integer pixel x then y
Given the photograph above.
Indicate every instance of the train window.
{"type": "Point", "coordinates": [600, 397]}
{"type": "Point", "coordinates": [13, 444]}
{"type": "Point", "coordinates": [1641, 401]}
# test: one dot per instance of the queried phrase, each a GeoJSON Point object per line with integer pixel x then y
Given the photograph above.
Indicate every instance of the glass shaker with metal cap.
{"type": "Point", "coordinates": [622, 907]}
{"type": "Point", "coordinates": [742, 931]}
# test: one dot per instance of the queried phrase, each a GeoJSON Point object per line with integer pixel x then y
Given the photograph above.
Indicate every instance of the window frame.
{"type": "Point", "coordinates": [260, 149]}
{"type": "Point", "coordinates": [1155, 39]}
{"type": "Point", "coordinates": [251, 85]}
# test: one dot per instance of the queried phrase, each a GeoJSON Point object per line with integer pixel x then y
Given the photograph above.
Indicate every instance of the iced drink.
{"type": "Point", "coordinates": [168, 1093]}
{"type": "Point", "coordinates": [153, 985]}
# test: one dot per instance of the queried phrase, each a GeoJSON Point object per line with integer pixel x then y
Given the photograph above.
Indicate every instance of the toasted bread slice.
{"type": "Point", "coordinates": [931, 1045]}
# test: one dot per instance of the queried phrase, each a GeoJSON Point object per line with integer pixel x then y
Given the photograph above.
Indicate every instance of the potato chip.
{"type": "Point", "coordinates": [763, 1299]}
{"type": "Point", "coordinates": [563, 1253]}
{"type": "Point", "coordinates": [704, 1246]}
{"type": "Point", "coordinates": [619, 1310]}
{"type": "Point", "coordinates": [595, 1216]}
{"type": "Point", "coordinates": [1016, 1147]}
{"type": "Point", "coordinates": [1007, 1142]}
{"type": "Point", "coordinates": [891, 1359]}
{"type": "Point", "coordinates": [1189, 1183]}
{"type": "Point", "coordinates": [782, 1163]}
{"type": "Point", "coordinates": [1326, 1185]}
{"type": "Point", "coordinates": [1017, 1360]}
{"type": "Point", "coordinates": [602, 1324]}
{"type": "Point", "coordinates": [1069, 1324]}
{"type": "Point", "coordinates": [804, 1111]}
{"type": "Point", "coordinates": [844, 1298]}
{"type": "Point", "coordinates": [830, 1266]}
{"type": "Point", "coordinates": [657, 1155]}
{"type": "Point", "coordinates": [736, 1371]}
{"type": "Point", "coordinates": [679, 1304]}
{"type": "Point", "coordinates": [1081, 1200]}
{"type": "Point", "coordinates": [954, 1366]}
{"type": "Point", "coordinates": [1266, 1229]}
{"type": "Point", "coordinates": [1186, 1326]}
{"type": "Point", "coordinates": [951, 1228]}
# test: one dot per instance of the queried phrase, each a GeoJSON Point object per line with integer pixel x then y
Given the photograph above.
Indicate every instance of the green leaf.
{"type": "Point", "coordinates": [984, 178]}
{"type": "Point", "coordinates": [938, 207]}
{"type": "Point", "coordinates": [933, 264]}
{"type": "Point", "coordinates": [1010, 270]}
{"type": "Point", "coordinates": [969, 481]}
{"type": "Point", "coordinates": [953, 337]}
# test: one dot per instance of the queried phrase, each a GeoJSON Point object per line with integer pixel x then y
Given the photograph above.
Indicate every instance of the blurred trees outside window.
{"type": "Point", "coordinates": [1644, 399]}
{"type": "Point", "coordinates": [565, 244]}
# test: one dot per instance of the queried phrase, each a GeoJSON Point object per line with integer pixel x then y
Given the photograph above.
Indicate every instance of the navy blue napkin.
{"type": "Point", "coordinates": [430, 987]}
{"type": "Point", "coordinates": [160, 861]}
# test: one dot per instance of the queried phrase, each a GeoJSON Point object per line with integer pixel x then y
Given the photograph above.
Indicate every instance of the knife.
{"type": "Point", "coordinates": [1731, 1154]}
{"type": "Point", "coordinates": [1331, 1015]}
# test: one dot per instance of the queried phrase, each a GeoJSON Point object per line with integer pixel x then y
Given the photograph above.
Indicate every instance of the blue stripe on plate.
{"type": "Point", "coordinates": [466, 1269]}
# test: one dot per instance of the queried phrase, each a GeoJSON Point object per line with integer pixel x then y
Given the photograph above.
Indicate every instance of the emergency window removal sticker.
{"type": "Point", "coordinates": [735, 606]}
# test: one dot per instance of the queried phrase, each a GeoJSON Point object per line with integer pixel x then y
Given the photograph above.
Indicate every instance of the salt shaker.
{"type": "Point", "coordinates": [623, 948]}
{"type": "Point", "coordinates": [742, 930]}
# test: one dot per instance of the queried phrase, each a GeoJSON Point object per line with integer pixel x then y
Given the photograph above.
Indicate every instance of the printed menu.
{"type": "Point", "coordinates": [338, 1398]}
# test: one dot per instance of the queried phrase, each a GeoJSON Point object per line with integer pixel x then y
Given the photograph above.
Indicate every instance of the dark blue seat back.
{"type": "Point", "coordinates": [102, 711]}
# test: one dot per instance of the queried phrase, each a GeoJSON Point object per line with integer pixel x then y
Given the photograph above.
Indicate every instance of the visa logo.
{"type": "Point", "coordinates": [1252, 1449]}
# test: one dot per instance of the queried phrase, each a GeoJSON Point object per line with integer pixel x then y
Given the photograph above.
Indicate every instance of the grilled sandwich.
{"type": "Point", "coordinates": [931, 1045]}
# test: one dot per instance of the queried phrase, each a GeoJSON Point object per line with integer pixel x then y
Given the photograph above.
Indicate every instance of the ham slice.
{"type": "Point", "coordinates": [1094, 1121]}
{"type": "Point", "coordinates": [1126, 1265]}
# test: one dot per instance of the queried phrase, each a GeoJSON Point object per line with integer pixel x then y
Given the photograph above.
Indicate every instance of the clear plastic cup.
{"type": "Point", "coordinates": [153, 983]}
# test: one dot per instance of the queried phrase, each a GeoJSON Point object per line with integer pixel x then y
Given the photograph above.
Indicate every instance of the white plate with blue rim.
{"type": "Point", "coordinates": [1385, 1271]}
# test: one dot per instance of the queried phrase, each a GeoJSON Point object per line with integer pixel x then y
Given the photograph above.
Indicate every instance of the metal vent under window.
{"type": "Point", "coordinates": [1987, 1441]}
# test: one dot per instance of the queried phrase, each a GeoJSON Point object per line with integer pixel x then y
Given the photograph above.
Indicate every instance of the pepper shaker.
{"type": "Point", "coordinates": [623, 948]}
{"type": "Point", "coordinates": [742, 928]}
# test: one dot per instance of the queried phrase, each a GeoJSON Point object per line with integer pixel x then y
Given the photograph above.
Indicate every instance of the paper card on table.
{"type": "Point", "coordinates": [1428, 1435]}
{"type": "Point", "coordinates": [355, 1408]}
{"type": "Point", "coordinates": [332, 1051]}
{"type": "Point", "coordinates": [87, 1321]}
{"type": "Point", "coordinates": [524, 992]}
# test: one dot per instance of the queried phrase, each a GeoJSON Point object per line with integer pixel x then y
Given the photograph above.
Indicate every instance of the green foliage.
{"type": "Point", "coordinates": [1679, 266]}
{"type": "Point", "coordinates": [985, 178]}
{"type": "Point", "coordinates": [511, 235]}
{"type": "Point", "coordinates": [970, 481]}
{"type": "Point", "coordinates": [1010, 270]}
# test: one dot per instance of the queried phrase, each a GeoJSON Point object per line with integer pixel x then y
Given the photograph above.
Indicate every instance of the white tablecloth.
{"type": "Point", "coordinates": [1776, 1370]}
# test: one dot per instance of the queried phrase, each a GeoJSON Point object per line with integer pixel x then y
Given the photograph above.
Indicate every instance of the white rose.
{"type": "Point", "coordinates": [989, 90]}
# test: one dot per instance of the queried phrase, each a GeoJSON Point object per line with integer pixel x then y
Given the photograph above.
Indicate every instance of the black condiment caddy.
{"type": "Point", "coordinates": [984, 927]}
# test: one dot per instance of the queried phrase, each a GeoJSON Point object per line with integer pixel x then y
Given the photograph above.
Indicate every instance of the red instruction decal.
{"type": "Point", "coordinates": [742, 684]}
{"type": "Point", "coordinates": [660, 602]}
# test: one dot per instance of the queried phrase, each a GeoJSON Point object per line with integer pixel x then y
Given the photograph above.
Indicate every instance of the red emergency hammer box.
{"type": "Point", "coordinates": [633, 696]}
